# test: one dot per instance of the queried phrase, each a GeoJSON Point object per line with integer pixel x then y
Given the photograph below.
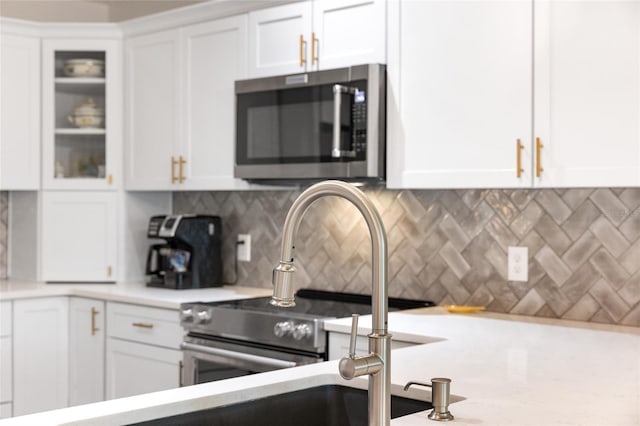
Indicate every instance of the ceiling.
{"type": "Point", "coordinates": [86, 10]}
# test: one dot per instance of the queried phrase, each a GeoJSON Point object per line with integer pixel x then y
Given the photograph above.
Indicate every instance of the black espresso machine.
{"type": "Point", "coordinates": [190, 257]}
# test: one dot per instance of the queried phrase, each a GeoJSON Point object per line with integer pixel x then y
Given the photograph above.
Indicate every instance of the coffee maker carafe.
{"type": "Point", "coordinates": [190, 257]}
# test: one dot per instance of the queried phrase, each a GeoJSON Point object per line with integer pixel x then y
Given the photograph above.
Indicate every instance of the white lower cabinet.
{"type": "Point", "coordinates": [40, 364]}
{"type": "Point", "coordinates": [142, 350]}
{"type": "Point", "coordinates": [86, 350]}
{"type": "Point", "coordinates": [6, 360]}
{"type": "Point", "coordinates": [339, 345]}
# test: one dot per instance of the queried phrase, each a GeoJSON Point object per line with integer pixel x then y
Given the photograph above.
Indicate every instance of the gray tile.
{"type": "Point", "coordinates": [609, 236]}
{"type": "Point", "coordinates": [580, 282]}
{"type": "Point", "coordinates": [602, 317]}
{"type": "Point", "coordinates": [501, 233]}
{"type": "Point", "coordinates": [552, 234]}
{"type": "Point", "coordinates": [454, 287]}
{"type": "Point", "coordinates": [630, 228]}
{"type": "Point", "coordinates": [610, 205]}
{"type": "Point", "coordinates": [553, 205]}
{"type": "Point", "coordinates": [631, 198]}
{"type": "Point", "coordinates": [553, 265]}
{"type": "Point", "coordinates": [526, 220]}
{"type": "Point", "coordinates": [432, 271]}
{"type": "Point", "coordinates": [454, 259]}
{"type": "Point", "coordinates": [581, 250]}
{"type": "Point", "coordinates": [609, 300]}
{"type": "Point", "coordinates": [583, 310]}
{"type": "Point", "coordinates": [553, 296]}
{"type": "Point", "coordinates": [411, 206]}
{"type": "Point", "coordinates": [630, 292]}
{"type": "Point", "coordinates": [609, 268]}
{"type": "Point", "coordinates": [498, 259]}
{"type": "Point", "coordinates": [476, 220]}
{"type": "Point", "coordinates": [575, 197]}
{"type": "Point", "coordinates": [581, 219]}
{"type": "Point", "coordinates": [454, 233]}
{"type": "Point", "coordinates": [473, 197]}
{"type": "Point", "coordinates": [631, 258]}
{"type": "Point", "coordinates": [529, 304]}
{"type": "Point", "coordinates": [454, 205]}
{"type": "Point", "coordinates": [502, 205]}
{"type": "Point", "coordinates": [633, 317]}
{"type": "Point", "coordinates": [522, 197]}
{"type": "Point", "coordinates": [481, 297]}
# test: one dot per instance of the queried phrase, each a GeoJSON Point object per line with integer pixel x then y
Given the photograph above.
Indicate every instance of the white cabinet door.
{"type": "Point", "coordinates": [348, 32]}
{"type": "Point", "coordinates": [86, 350]}
{"type": "Point", "coordinates": [40, 344]}
{"type": "Point", "coordinates": [152, 108]}
{"type": "Point", "coordinates": [214, 57]}
{"type": "Point", "coordinates": [79, 236]}
{"type": "Point", "coordinates": [587, 93]}
{"type": "Point", "coordinates": [134, 368]}
{"type": "Point", "coordinates": [6, 354]}
{"type": "Point", "coordinates": [459, 94]}
{"type": "Point", "coordinates": [279, 39]}
{"type": "Point", "coordinates": [74, 155]}
{"type": "Point", "coordinates": [19, 113]}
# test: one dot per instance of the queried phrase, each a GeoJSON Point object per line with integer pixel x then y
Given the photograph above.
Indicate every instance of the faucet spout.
{"type": "Point", "coordinates": [377, 364]}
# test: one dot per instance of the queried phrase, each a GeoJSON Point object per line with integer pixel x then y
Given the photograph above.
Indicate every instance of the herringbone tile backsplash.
{"type": "Point", "coordinates": [4, 223]}
{"type": "Point", "coordinates": [450, 246]}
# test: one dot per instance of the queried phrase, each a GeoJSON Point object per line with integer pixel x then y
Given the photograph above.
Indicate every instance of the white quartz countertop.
{"type": "Point", "coordinates": [505, 370]}
{"type": "Point", "coordinates": [127, 292]}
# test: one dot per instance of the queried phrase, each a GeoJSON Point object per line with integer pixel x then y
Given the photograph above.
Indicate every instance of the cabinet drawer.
{"type": "Point", "coordinates": [144, 324]}
{"type": "Point", "coordinates": [5, 318]}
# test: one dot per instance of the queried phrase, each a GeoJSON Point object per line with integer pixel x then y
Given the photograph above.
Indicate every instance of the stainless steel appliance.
{"type": "Point", "coordinates": [190, 257]}
{"type": "Point", "coordinates": [241, 337]}
{"type": "Point", "coordinates": [317, 125]}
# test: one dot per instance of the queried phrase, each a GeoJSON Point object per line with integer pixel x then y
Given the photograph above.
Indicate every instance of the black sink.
{"type": "Point", "coordinates": [329, 405]}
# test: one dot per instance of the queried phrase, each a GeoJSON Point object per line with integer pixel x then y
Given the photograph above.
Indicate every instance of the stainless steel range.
{"type": "Point", "coordinates": [241, 337]}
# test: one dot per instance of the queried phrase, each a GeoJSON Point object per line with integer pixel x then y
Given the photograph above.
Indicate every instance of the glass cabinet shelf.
{"type": "Point", "coordinates": [84, 131]}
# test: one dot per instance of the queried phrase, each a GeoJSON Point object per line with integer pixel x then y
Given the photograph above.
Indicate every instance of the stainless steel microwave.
{"type": "Point", "coordinates": [317, 125]}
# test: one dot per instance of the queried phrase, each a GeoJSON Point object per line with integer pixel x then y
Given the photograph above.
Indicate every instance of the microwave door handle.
{"type": "Point", "coordinates": [271, 362]}
{"type": "Point", "coordinates": [338, 90]}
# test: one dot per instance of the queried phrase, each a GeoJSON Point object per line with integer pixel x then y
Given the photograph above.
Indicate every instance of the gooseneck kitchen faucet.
{"type": "Point", "coordinates": [378, 363]}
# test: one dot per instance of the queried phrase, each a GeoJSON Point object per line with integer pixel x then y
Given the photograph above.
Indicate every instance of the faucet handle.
{"type": "Point", "coordinates": [440, 390]}
{"type": "Point", "coordinates": [354, 335]}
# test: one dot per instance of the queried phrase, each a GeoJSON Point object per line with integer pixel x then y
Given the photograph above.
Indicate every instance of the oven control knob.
{"type": "Point", "coordinates": [186, 315]}
{"type": "Point", "coordinates": [283, 328]}
{"type": "Point", "coordinates": [301, 331]}
{"type": "Point", "coordinates": [203, 317]}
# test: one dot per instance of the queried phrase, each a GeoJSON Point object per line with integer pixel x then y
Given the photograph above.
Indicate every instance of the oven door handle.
{"type": "Point", "coordinates": [272, 362]}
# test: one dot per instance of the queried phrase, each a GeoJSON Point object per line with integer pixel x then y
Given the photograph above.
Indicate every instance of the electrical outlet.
{"type": "Point", "coordinates": [518, 264]}
{"type": "Point", "coordinates": [244, 248]}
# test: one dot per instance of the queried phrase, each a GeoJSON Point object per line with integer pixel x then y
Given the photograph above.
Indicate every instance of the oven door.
{"type": "Point", "coordinates": [208, 360]}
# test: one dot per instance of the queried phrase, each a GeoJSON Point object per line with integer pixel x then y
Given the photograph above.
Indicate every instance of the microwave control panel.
{"type": "Point", "coordinates": [359, 126]}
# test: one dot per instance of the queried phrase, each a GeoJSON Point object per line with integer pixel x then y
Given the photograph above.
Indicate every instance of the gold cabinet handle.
{"type": "Point", "coordinates": [303, 46]}
{"type": "Point", "coordinates": [109, 271]}
{"type": "Point", "coordinates": [181, 163]}
{"type": "Point", "coordinates": [142, 325]}
{"type": "Point", "coordinates": [173, 169]}
{"type": "Point", "coordinates": [519, 168]}
{"type": "Point", "coordinates": [110, 179]}
{"type": "Point", "coordinates": [94, 329]}
{"type": "Point", "coordinates": [314, 52]}
{"type": "Point", "coordinates": [539, 147]}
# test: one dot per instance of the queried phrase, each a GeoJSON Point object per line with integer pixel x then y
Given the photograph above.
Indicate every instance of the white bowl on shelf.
{"type": "Point", "coordinates": [83, 68]}
{"type": "Point", "coordinates": [87, 115]}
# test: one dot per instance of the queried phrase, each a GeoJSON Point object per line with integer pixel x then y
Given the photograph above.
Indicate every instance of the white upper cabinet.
{"type": "Point", "coordinates": [316, 35]}
{"type": "Point", "coordinates": [474, 101]}
{"type": "Point", "coordinates": [348, 32]}
{"type": "Point", "coordinates": [214, 57]}
{"type": "Point", "coordinates": [459, 94]}
{"type": "Point", "coordinates": [181, 97]}
{"type": "Point", "coordinates": [81, 114]}
{"type": "Point", "coordinates": [279, 40]}
{"type": "Point", "coordinates": [79, 236]}
{"type": "Point", "coordinates": [152, 96]}
{"type": "Point", "coordinates": [19, 112]}
{"type": "Point", "coordinates": [587, 93]}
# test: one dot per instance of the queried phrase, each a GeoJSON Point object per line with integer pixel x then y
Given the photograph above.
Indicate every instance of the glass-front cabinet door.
{"type": "Point", "coordinates": [81, 114]}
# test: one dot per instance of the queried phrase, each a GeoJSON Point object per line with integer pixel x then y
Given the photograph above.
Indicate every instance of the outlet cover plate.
{"type": "Point", "coordinates": [244, 250]}
{"type": "Point", "coordinates": [518, 264]}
